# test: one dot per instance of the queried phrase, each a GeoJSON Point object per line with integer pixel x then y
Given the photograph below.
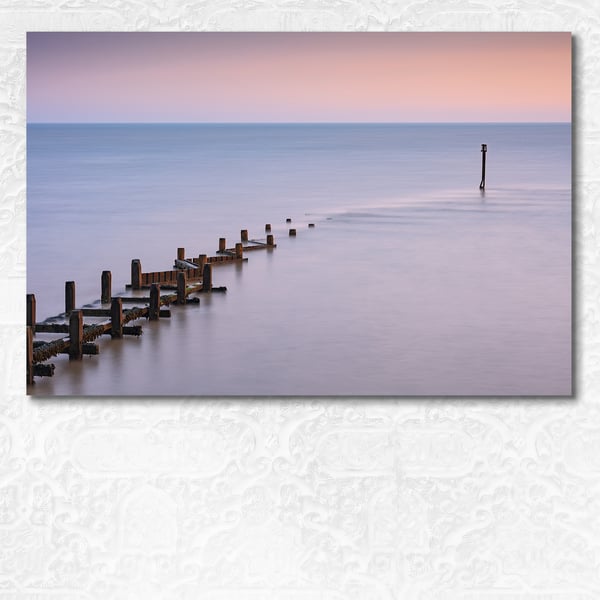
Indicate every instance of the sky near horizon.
{"type": "Point", "coordinates": [298, 77]}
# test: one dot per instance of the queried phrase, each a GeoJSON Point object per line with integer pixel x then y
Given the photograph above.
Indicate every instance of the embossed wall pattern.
{"type": "Point", "coordinates": [300, 499]}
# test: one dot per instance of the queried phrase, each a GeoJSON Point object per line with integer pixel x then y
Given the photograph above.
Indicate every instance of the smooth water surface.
{"type": "Point", "coordinates": [413, 282]}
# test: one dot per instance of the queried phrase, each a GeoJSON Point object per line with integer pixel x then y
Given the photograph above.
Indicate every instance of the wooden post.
{"type": "Point", "coordinates": [239, 250]}
{"type": "Point", "coordinates": [106, 285]}
{"type": "Point", "coordinates": [180, 253]}
{"type": "Point", "coordinates": [136, 274]}
{"type": "Point", "coordinates": [288, 220]}
{"type": "Point", "coordinates": [154, 310]}
{"type": "Point", "coordinates": [244, 235]}
{"type": "Point", "coordinates": [270, 240]}
{"type": "Point", "coordinates": [31, 318]}
{"type": "Point", "coordinates": [222, 244]}
{"type": "Point", "coordinates": [116, 318]}
{"type": "Point", "coordinates": [292, 232]}
{"type": "Point", "coordinates": [69, 296]}
{"type": "Point", "coordinates": [268, 227]}
{"type": "Point", "coordinates": [311, 225]}
{"type": "Point", "coordinates": [181, 285]}
{"type": "Point", "coordinates": [76, 335]}
{"type": "Point", "coordinates": [30, 331]}
{"type": "Point", "coordinates": [483, 153]}
{"type": "Point", "coordinates": [207, 278]}
{"type": "Point", "coordinates": [202, 259]}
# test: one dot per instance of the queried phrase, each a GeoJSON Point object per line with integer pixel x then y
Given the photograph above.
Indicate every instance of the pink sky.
{"type": "Point", "coordinates": [298, 77]}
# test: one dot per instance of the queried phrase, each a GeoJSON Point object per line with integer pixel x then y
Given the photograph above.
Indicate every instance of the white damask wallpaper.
{"type": "Point", "coordinates": [300, 499]}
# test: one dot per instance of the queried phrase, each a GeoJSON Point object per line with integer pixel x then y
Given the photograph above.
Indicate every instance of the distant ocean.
{"type": "Point", "coordinates": [413, 282]}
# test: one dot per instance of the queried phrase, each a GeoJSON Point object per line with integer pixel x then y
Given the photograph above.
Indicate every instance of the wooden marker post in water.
{"type": "Point", "coordinates": [292, 233]}
{"type": "Point", "coordinates": [244, 235]}
{"type": "Point", "coordinates": [105, 285]}
{"type": "Point", "coordinates": [483, 153]}
{"type": "Point", "coordinates": [268, 227]}
{"type": "Point", "coordinates": [222, 244]}
{"type": "Point", "coordinates": [239, 250]}
{"type": "Point", "coordinates": [180, 253]}
{"type": "Point", "coordinates": [270, 240]}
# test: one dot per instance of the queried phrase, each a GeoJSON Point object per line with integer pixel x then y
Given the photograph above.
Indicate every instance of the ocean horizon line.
{"type": "Point", "coordinates": [298, 123]}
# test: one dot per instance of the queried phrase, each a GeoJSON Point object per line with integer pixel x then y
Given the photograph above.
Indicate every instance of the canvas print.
{"type": "Point", "coordinates": [299, 214]}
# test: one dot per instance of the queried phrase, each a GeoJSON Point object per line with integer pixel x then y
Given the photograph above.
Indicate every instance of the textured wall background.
{"type": "Point", "coordinates": [319, 499]}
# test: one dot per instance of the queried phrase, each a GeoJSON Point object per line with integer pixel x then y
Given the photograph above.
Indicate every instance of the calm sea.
{"type": "Point", "coordinates": [412, 282]}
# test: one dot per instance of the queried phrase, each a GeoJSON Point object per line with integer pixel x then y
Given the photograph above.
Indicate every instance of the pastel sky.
{"type": "Point", "coordinates": [298, 77]}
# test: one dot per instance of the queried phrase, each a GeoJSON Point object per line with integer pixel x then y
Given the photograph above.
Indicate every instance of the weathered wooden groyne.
{"type": "Point", "coordinates": [188, 278]}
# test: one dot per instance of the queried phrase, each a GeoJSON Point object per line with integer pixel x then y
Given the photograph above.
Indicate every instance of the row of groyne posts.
{"type": "Point", "coordinates": [188, 276]}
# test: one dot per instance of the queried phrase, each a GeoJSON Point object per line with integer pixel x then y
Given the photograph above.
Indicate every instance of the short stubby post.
{"type": "Point", "coordinates": [268, 227]}
{"type": "Point", "coordinates": [244, 235]}
{"type": "Point", "coordinates": [180, 253]}
{"type": "Point", "coordinates": [222, 244]}
{"type": "Point", "coordinates": [292, 233]}
{"type": "Point", "coordinates": [154, 310]}
{"type": "Point", "coordinates": [136, 274]}
{"type": "Point", "coordinates": [181, 285]}
{"type": "Point", "coordinates": [483, 153]}
{"type": "Point", "coordinates": [270, 240]}
{"type": "Point", "coordinates": [31, 317]}
{"type": "Point", "coordinates": [105, 286]}
{"type": "Point", "coordinates": [239, 250]}
{"type": "Point", "coordinates": [207, 278]}
{"type": "Point", "coordinates": [76, 334]}
{"type": "Point", "coordinates": [69, 296]}
{"type": "Point", "coordinates": [202, 260]}
{"type": "Point", "coordinates": [116, 318]}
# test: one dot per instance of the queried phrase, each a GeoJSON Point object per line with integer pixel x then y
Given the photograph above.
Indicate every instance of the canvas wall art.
{"type": "Point", "coordinates": [299, 214]}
